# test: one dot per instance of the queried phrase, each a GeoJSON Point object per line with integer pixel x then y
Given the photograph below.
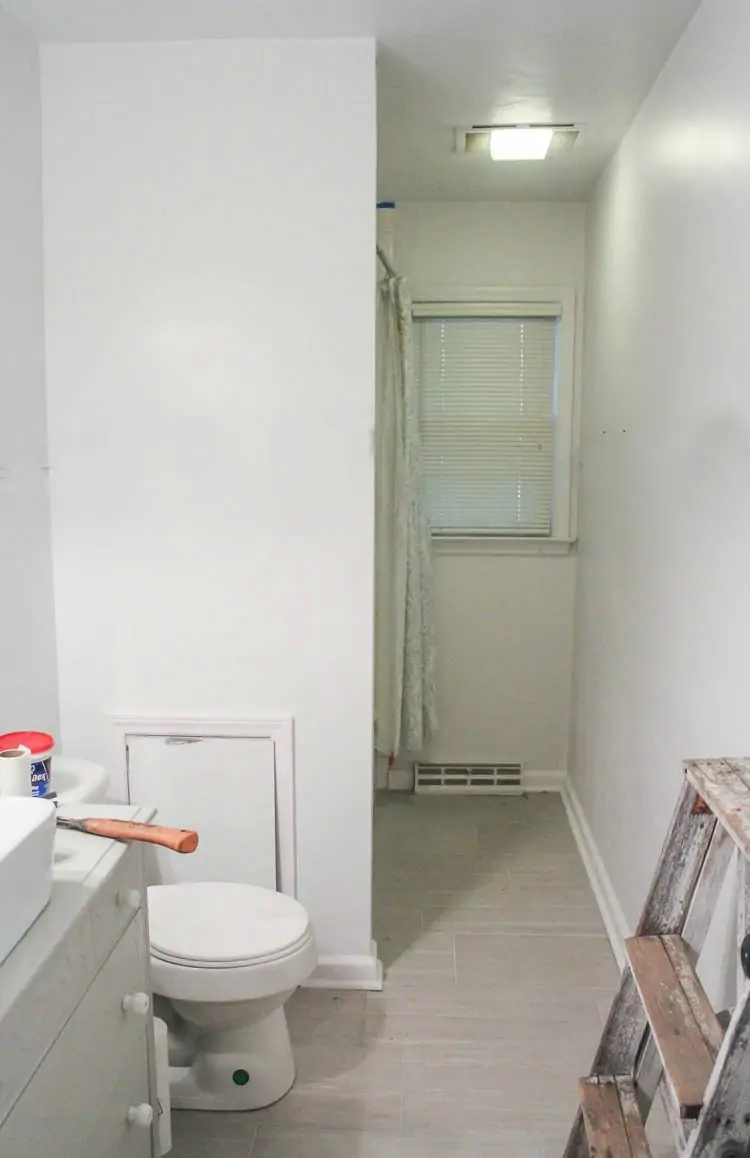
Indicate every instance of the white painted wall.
{"type": "Point", "coordinates": [663, 611]}
{"type": "Point", "coordinates": [210, 343]}
{"type": "Point", "coordinates": [504, 624]}
{"type": "Point", "coordinates": [28, 678]}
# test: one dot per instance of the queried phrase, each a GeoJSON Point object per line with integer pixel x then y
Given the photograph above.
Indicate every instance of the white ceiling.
{"type": "Point", "coordinates": [442, 63]}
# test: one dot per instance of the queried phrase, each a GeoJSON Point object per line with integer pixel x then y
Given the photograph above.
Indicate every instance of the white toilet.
{"type": "Point", "coordinates": [227, 957]}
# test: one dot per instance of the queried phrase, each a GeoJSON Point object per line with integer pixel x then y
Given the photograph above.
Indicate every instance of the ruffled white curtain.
{"type": "Point", "coordinates": [405, 712]}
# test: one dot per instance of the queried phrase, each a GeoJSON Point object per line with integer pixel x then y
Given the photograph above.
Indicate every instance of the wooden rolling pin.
{"type": "Point", "coordinates": [176, 839]}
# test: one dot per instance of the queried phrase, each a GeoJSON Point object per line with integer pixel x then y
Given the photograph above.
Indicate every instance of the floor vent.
{"type": "Point", "coordinates": [468, 779]}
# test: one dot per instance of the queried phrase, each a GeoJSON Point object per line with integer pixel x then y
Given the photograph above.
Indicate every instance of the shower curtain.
{"type": "Point", "coordinates": [405, 714]}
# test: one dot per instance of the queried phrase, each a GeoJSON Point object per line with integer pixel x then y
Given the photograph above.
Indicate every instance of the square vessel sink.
{"type": "Point", "coordinates": [27, 834]}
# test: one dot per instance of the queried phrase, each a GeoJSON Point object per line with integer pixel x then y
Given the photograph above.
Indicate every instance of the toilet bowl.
{"type": "Point", "coordinates": [227, 957]}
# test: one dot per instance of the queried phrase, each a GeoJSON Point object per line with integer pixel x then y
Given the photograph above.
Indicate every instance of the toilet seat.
{"type": "Point", "coordinates": [221, 941]}
{"type": "Point", "coordinates": [218, 925]}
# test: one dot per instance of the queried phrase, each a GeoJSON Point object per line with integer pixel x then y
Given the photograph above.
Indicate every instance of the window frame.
{"type": "Point", "coordinates": [562, 536]}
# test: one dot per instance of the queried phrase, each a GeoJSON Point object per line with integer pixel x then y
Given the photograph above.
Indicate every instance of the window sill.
{"type": "Point", "coordinates": [487, 545]}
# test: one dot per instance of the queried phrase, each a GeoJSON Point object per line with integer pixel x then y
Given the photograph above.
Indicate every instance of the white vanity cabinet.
{"type": "Point", "coordinates": [76, 1042]}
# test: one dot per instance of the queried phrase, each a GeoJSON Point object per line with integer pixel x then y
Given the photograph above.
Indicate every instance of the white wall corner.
{"type": "Point", "coordinates": [401, 779]}
{"type": "Point", "coordinates": [381, 770]}
{"type": "Point", "coordinates": [386, 231]}
{"type": "Point", "coordinates": [614, 918]}
{"type": "Point", "coordinates": [336, 971]}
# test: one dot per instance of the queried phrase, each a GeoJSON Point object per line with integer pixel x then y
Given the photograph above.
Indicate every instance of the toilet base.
{"type": "Point", "coordinates": [245, 1068]}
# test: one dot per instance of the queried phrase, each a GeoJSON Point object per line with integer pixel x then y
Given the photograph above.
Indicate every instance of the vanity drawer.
{"type": "Point", "coordinates": [120, 899]}
{"type": "Point", "coordinates": [77, 1101]}
{"type": "Point", "coordinates": [52, 995]}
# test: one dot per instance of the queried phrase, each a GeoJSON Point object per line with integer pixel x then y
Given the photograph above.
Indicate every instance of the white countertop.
{"type": "Point", "coordinates": [78, 853]}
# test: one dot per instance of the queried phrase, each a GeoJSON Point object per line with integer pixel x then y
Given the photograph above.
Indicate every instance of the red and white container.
{"type": "Point", "coordinates": [41, 746]}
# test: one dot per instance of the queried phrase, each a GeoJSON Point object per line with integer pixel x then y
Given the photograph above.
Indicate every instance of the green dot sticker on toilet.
{"type": "Point", "coordinates": [240, 1077]}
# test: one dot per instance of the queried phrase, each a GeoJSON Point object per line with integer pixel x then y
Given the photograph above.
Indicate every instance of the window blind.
{"type": "Point", "coordinates": [487, 386]}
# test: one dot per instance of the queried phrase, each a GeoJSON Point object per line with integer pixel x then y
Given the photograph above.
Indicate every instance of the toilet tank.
{"type": "Point", "coordinates": [223, 788]}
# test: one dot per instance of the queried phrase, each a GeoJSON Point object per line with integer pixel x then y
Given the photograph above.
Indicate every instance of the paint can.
{"type": "Point", "coordinates": [41, 746]}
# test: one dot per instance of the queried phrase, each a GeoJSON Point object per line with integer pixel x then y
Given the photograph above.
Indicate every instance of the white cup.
{"type": "Point", "coordinates": [15, 772]}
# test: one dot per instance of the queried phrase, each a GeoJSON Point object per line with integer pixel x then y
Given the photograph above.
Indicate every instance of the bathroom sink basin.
{"type": "Point", "coordinates": [27, 831]}
{"type": "Point", "coordinates": [78, 781]}
{"type": "Point", "coordinates": [75, 855]}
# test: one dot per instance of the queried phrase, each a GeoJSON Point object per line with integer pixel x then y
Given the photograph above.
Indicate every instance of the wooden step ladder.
{"type": "Point", "coordinates": [662, 1034]}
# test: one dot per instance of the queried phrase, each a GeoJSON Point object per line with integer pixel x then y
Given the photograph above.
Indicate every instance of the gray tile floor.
{"type": "Point", "coordinates": [498, 976]}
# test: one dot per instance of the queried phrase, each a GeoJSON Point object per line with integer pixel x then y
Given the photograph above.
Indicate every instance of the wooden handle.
{"type": "Point", "coordinates": [176, 839]}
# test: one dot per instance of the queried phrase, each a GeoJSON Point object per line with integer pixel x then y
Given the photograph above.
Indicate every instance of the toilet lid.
{"type": "Point", "coordinates": [223, 925]}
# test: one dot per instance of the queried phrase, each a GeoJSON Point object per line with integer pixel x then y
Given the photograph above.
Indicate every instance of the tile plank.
{"type": "Point", "coordinates": [497, 966]}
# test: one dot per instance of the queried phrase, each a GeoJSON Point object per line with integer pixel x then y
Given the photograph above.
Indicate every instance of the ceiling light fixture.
{"type": "Point", "coordinates": [520, 143]}
{"type": "Point", "coordinates": [516, 142]}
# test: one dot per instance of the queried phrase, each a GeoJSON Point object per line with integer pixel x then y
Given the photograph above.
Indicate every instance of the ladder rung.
{"type": "Point", "coordinates": [685, 1028]}
{"type": "Point", "coordinates": [611, 1118]}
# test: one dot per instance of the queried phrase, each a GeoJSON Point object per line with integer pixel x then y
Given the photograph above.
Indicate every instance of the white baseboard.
{"type": "Point", "coordinates": [553, 781]}
{"type": "Point", "coordinates": [348, 972]}
{"type": "Point", "coordinates": [612, 914]}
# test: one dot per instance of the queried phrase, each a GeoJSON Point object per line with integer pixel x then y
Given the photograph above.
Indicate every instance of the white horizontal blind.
{"type": "Point", "coordinates": [487, 387]}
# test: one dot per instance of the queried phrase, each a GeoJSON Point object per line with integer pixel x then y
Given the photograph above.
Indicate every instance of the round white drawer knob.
{"type": "Point", "coordinates": [142, 1115]}
{"type": "Point", "coordinates": [129, 899]}
{"type": "Point", "coordinates": [139, 1003]}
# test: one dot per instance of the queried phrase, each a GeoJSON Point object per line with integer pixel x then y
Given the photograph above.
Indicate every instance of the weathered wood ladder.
{"type": "Point", "coordinates": [662, 1033]}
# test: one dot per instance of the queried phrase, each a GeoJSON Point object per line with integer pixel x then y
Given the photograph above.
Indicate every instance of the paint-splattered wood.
{"type": "Point", "coordinates": [577, 1145]}
{"type": "Point", "coordinates": [717, 861]}
{"type": "Point", "coordinates": [743, 917]}
{"type": "Point", "coordinates": [681, 893]}
{"type": "Point", "coordinates": [648, 1068]}
{"type": "Point", "coordinates": [726, 1111]}
{"type": "Point", "coordinates": [679, 868]}
{"type": "Point", "coordinates": [680, 1021]}
{"type": "Point", "coordinates": [650, 1082]}
{"type": "Point", "coordinates": [697, 998]}
{"type": "Point", "coordinates": [725, 787]}
{"type": "Point", "coordinates": [617, 1050]}
{"type": "Point", "coordinates": [715, 800]}
{"type": "Point", "coordinates": [632, 1118]}
{"type": "Point", "coordinates": [613, 1125]}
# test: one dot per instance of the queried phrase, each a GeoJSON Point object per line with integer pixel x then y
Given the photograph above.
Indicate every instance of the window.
{"type": "Point", "coordinates": [494, 411]}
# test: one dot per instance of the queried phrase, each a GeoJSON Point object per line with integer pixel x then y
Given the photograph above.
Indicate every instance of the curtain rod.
{"type": "Point", "coordinates": [385, 262]}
